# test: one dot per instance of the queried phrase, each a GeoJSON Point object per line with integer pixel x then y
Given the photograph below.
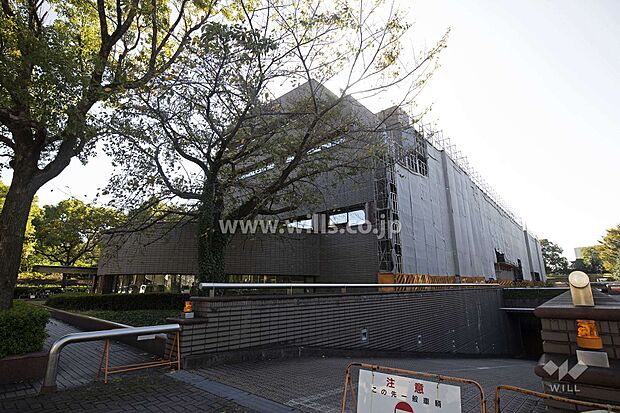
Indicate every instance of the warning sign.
{"type": "Point", "coordinates": [388, 393]}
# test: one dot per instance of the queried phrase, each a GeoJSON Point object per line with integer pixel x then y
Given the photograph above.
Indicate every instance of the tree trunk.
{"type": "Point", "coordinates": [211, 241]}
{"type": "Point", "coordinates": [13, 222]}
{"type": "Point", "coordinates": [65, 279]}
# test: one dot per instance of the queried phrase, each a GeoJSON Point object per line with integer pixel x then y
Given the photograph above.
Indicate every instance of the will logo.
{"type": "Point", "coordinates": [550, 367]}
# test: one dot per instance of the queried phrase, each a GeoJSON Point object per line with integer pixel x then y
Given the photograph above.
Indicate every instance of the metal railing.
{"type": "Point", "coordinates": [343, 287]}
{"type": "Point", "coordinates": [348, 384]}
{"type": "Point", "coordinates": [545, 396]}
{"type": "Point", "coordinates": [49, 381]}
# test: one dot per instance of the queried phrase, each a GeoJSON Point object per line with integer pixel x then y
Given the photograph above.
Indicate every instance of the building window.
{"type": "Point", "coordinates": [338, 219]}
{"type": "Point", "coordinates": [301, 223]}
{"type": "Point", "coordinates": [348, 218]}
{"type": "Point", "coordinates": [357, 217]}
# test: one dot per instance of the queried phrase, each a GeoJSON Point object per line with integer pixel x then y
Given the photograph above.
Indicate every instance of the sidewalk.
{"type": "Point", "coordinates": [78, 362]}
{"type": "Point", "coordinates": [153, 392]}
{"type": "Point", "coordinates": [309, 385]}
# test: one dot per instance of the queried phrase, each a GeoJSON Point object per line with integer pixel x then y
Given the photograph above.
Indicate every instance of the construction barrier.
{"type": "Point", "coordinates": [405, 402]}
{"type": "Point", "coordinates": [390, 278]}
{"type": "Point", "coordinates": [166, 361]}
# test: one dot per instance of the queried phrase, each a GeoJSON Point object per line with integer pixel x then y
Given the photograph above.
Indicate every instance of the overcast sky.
{"type": "Point", "coordinates": [529, 91]}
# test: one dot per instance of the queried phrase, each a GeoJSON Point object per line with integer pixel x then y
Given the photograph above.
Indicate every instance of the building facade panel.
{"type": "Point", "coordinates": [449, 224]}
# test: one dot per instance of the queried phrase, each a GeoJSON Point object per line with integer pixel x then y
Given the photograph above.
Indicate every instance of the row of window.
{"type": "Point", "coordinates": [334, 219]}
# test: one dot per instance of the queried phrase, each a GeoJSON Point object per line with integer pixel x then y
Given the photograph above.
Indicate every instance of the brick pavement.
{"type": "Point", "coordinates": [142, 393]}
{"type": "Point", "coordinates": [152, 390]}
{"type": "Point", "coordinates": [315, 384]}
{"type": "Point", "coordinates": [307, 384]}
{"type": "Point", "coordinates": [78, 362]}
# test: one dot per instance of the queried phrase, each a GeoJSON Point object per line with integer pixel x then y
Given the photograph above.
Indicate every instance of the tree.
{"type": "Point", "coordinates": [591, 259]}
{"type": "Point", "coordinates": [60, 62]}
{"type": "Point", "coordinates": [68, 233]}
{"type": "Point", "coordinates": [555, 263]}
{"type": "Point", "coordinates": [609, 250]}
{"type": "Point", "coordinates": [212, 135]}
{"type": "Point", "coordinates": [28, 252]}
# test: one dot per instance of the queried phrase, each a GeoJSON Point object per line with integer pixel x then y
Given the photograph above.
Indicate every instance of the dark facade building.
{"type": "Point", "coordinates": [420, 209]}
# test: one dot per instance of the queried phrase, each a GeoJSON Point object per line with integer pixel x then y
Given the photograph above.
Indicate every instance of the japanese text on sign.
{"type": "Point", "coordinates": [387, 393]}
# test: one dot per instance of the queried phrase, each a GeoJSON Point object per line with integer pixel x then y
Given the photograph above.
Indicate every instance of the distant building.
{"type": "Point", "coordinates": [579, 252]}
{"type": "Point", "coordinates": [451, 224]}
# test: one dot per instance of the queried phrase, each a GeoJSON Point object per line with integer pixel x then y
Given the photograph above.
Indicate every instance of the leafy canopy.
{"type": "Point", "coordinates": [609, 251]}
{"type": "Point", "coordinates": [555, 262]}
{"type": "Point", "coordinates": [69, 233]}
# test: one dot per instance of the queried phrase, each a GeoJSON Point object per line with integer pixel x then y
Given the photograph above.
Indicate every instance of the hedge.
{"type": "Point", "coordinates": [24, 291]}
{"type": "Point", "coordinates": [117, 302]}
{"type": "Point", "coordinates": [22, 329]}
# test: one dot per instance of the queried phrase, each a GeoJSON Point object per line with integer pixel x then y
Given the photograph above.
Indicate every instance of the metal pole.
{"type": "Point", "coordinates": [213, 286]}
{"type": "Point", "coordinates": [178, 340]}
{"type": "Point", "coordinates": [344, 392]}
{"type": "Point", "coordinates": [49, 381]}
{"type": "Point", "coordinates": [107, 359]}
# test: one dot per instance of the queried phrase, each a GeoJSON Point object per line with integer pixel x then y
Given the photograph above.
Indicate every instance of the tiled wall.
{"type": "Point", "coordinates": [463, 321]}
{"type": "Point", "coordinates": [560, 336]}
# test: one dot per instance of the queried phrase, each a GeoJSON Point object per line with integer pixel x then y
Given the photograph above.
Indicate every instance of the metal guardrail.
{"type": "Point", "coordinates": [545, 396]}
{"type": "Point", "coordinates": [49, 381]}
{"type": "Point", "coordinates": [348, 384]}
{"type": "Point", "coordinates": [291, 286]}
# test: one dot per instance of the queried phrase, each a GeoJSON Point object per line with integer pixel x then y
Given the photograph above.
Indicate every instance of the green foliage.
{"type": "Point", "coordinates": [555, 263]}
{"type": "Point", "coordinates": [135, 318]}
{"type": "Point", "coordinates": [609, 251]}
{"type": "Point", "coordinates": [118, 302]}
{"type": "Point", "coordinates": [63, 67]}
{"type": "Point", "coordinates": [69, 233]}
{"type": "Point", "coordinates": [212, 136]}
{"type": "Point", "coordinates": [24, 290]}
{"type": "Point", "coordinates": [590, 261]}
{"type": "Point", "coordinates": [22, 329]}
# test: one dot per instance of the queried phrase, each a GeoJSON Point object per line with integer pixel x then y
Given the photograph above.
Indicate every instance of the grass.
{"type": "Point", "coordinates": [135, 318]}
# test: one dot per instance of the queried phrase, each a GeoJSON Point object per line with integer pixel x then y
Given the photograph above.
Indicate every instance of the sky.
{"type": "Point", "coordinates": [528, 90]}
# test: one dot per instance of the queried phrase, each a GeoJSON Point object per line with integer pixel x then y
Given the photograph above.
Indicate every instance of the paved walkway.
{"type": "Point", "coordinates": [152, 390]}
{"type": "Point", "coordinates": [316, 384]}
{"type": "Point", "coordinates": [148, 392]}
{"type": "Point", "coordinates": [274, 386]}
{"type": "Point", "coordinates": [78, 362]}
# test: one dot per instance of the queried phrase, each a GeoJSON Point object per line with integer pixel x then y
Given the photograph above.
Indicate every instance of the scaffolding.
{"type": "Point", "coordinates": [386, 213]}
{"type": "Point", "coordinates": [413, 156]}
{"type": "Point", "coordinates": [442, 143]}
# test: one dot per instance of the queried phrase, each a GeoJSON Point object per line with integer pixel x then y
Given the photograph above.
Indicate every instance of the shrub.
{"type": "Point", "coordinates": [148, 301]}
{"type": "Point", "coordinates": [135, 318]}
{"type": "Point", "coordinates": [24, 291]}
{"type": "Point", "coordinates": [22, 329]}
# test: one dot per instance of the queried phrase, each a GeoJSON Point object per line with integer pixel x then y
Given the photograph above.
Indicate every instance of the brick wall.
{"type": "Point", "coordinates": [172, 249]}
{"type": "Point", "coordinates": [464, 321]}
{"type": "Point", "coordinates": [560, 336]}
